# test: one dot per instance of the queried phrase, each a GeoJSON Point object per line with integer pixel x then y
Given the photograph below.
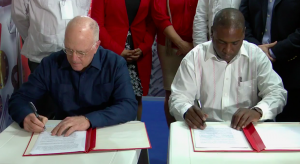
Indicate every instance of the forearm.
{"type": "Point", "coordinates": [20, 18]}
{"type": "Point", "coordinates": [200, 24]}
{"type": "Point", "coordinates": [173, 36]}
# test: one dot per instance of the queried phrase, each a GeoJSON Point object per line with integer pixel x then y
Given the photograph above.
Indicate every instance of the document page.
{"type": "Point", "coordinates": [219, 137]}
{"type": "Point", "coordinates": [278, 136]}
{"type": "Point", "coordinates": [48, 144]}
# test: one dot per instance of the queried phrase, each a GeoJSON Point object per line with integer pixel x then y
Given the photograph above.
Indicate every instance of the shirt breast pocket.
{"type": "Point", "coordinates": [46, 4]}
{"type": "Point", "coordinates": [102, 92]}
{"type": "Point", "coordinates": [83, 6]}
{"type": "Point", "coordinates": [247, 94]}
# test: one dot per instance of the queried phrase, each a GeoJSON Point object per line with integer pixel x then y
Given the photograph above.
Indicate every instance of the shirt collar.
{"type": "Point", "coordinates": [210, 52]}
{"type": "Point", "coordinates": [96, 62]}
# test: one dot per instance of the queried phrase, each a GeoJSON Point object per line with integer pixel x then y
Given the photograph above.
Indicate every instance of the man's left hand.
{"type": "Point", "coordinates": [243, 117]}
{"type": "Point", "coordinates": [70, 125]}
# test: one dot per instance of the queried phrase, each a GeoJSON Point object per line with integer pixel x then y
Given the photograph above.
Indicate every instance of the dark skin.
{"type": "Point", "coordinates": [227, 42]}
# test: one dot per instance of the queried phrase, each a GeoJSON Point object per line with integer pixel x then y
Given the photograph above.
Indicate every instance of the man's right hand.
{"type": "Point", "coordinates": [266, 47]}
{"type": "Point", "coordinates": [195, 118]}
{"type": "Point", "coordinates": [33, 124]}
{"type": "Point", "coordinates": [126, 55]}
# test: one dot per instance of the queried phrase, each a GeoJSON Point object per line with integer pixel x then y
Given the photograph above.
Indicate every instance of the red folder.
{"type": "Point", "coordinates": [254, 139]}
{"type": "Point", "coordinates": [91, 144]}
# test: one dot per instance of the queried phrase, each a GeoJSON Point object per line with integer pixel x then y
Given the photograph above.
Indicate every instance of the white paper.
{"type": "Point", "coordinates": [47, 144]}
{"type": "Point", "coordinates": [66, 9]}
{"type": "Point", "coordinates": [219, 137]}
{"type": "Point", "coordinates": [280, 136]}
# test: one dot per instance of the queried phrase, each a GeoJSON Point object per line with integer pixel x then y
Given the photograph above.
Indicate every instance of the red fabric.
{"type": "Point", "coordinates": [112, 18]}
{"type": "Point", "coordinates": [182, 12]}
{"type": "Point", "coordinates": [25, 68]}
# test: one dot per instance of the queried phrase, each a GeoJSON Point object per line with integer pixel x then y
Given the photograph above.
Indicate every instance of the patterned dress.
{"type": "Point", "coordinates": [132, 68]}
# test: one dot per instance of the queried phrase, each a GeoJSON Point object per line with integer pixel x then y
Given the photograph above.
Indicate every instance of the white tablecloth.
{"type": "Point", "coordinates": [14, 140]}
{"type": "Point", "coordinates": [181, 152]}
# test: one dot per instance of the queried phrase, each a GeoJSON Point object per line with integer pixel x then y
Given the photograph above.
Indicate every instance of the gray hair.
{"type": "Point", "coordinates": [95, 27]}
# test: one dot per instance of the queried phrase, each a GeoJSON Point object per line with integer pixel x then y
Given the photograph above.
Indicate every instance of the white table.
{"type": "Point", "coordinates": [181, 151]}
{"type": "Point", "coordinates": [13, 141]}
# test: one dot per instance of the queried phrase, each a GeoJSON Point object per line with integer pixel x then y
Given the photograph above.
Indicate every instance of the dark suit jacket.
{"type": "Point", "coordinates": [285, 29]}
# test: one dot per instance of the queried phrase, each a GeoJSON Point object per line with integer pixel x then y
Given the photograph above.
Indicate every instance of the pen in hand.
{"type": "Point", "coordinates": [35, 112]}
{"type": "Point", "coordinates": [200, 106]}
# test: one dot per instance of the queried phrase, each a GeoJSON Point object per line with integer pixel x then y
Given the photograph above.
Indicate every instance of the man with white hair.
{"type": "Point", "coordinates": [90, 85]}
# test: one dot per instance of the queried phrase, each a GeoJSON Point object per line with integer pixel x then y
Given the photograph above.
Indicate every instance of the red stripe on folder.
{"type": "Point", "coordinates": [88, 140]}
{"type": "Point", "coordinates": [254, 138]}
{"type": "Point", "coordinates": [93, 139]}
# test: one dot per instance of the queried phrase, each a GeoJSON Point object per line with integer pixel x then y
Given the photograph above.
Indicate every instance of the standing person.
{"type": "Point", "coordinates": [174, 20]}
{"type": "Point", "coordinates": [127, 29]}
{"type": "Point", "coordinates": [205, 13]}
{"type": "Point", "coordinates": [42, 24]}
{"type": "Point", "coordinates": [274, 26]}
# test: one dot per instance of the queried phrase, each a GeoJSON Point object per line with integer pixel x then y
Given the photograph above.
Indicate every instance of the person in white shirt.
{"type": "Point", "coordinates": [232, 78]}
{"type": "Point", "coordinates": [42, 24]}
{"type": "Point", "coordinates": [205, 13]}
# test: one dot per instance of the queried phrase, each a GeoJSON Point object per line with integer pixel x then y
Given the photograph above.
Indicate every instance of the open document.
{"type": "Point", "coordinates": [220, 137]}
{"type": "Point", "coordinates": [127, 136]}
{"type": "Point", "coordinates": [48, 144]}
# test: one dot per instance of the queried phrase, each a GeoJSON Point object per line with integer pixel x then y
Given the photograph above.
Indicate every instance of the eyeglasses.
{"type": "Point", "coordinates": [79, 54]}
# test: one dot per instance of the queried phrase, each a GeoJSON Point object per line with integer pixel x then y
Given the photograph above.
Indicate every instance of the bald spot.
{"type": "Point", "coordinates": [229, 18]}
{"type": "Point", "coordinates": [84, 24]}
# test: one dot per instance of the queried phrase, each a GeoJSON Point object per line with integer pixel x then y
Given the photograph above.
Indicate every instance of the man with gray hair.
{"type": "Point", "coordinates": [231, 79]}
{"type": "Point", "coordinates": [90, 85]}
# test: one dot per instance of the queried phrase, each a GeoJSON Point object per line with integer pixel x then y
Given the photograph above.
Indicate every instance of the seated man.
{"type": "Point", "coordinates": [233, 79]}
{"type": "Point", "coordinates": [90, 85]}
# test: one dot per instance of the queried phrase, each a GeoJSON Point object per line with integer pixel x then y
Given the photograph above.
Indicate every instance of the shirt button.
{"type": "Point", "coordinates": [227, 78]}
{"type": "Point", "coordinates": [266, 30]}
{"type": "Point", "coordinates": [268, 15]}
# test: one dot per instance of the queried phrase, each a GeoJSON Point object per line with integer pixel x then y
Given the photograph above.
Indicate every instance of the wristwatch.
{"type": "Point", "coordinates": [257, 109]}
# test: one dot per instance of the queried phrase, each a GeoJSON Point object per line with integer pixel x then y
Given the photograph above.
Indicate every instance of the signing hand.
{"type": "Point", "coordinates": [266, 48]}
{"type": "Point", "coordinates": [33, 124]}
{"type": "Point", "coordinates": [243, 117]}
{"type": "Point", "coordinates": [126, 54]}
{"type": "Point", "coordinates": [184, 48]}
{"type": "Point", "coordinates": [195, 117]}
{"type": "Point", "coordinates": [70, 125]}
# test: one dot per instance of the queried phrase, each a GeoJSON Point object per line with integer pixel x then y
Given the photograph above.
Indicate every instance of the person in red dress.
{"type": "Point", "coordinates": [127, 29]}
{"type": "Point", "coordinates": [174, 20]}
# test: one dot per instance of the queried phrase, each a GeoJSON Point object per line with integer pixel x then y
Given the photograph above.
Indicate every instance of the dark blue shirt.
{"type": "Point", "coordinates": [103, 92]}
